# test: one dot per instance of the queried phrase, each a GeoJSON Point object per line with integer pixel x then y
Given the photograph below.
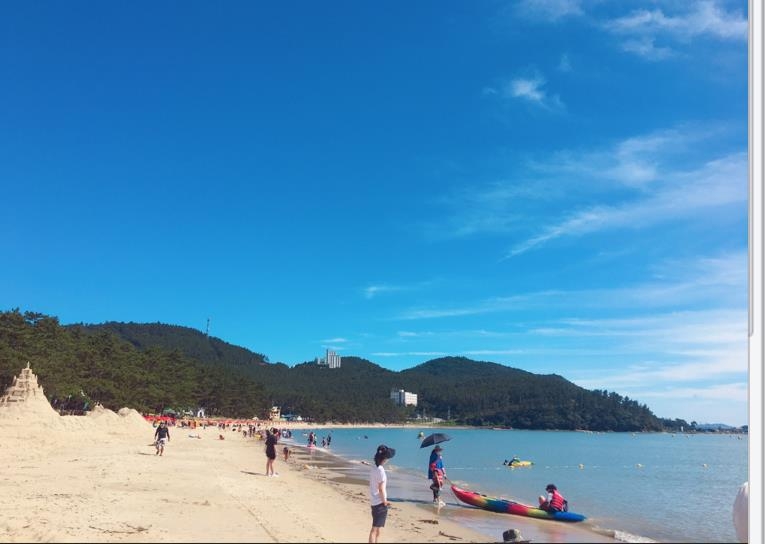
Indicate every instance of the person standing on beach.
{"type": "Point", "coordinates": [436, 474]}
{"type": "Point", "coordinates": [271, 440]}
{"type": "Point", "coordinates": [378, 491]}
{"type": "Point", "coordinates": [161, 436]}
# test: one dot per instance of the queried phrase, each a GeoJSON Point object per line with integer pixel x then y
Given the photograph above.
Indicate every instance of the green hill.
{"type": "Point", "coordinates": [154, 366]}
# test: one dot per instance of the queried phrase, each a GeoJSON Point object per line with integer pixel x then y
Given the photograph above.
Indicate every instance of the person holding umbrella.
{"type": "Point", "coordinates": [436, 474]}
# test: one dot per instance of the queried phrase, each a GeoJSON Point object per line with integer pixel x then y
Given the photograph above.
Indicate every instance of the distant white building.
{"type": "Point", "coordinates": [403, 398]}
{"type": "Point", "coordinates": [332, 360]}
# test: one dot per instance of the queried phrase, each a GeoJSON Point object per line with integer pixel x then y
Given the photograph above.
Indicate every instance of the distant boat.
{"type": "Point", "coordinates": [421, 435]}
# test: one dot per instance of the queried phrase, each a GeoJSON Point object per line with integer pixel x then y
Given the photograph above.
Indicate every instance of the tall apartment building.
{"type": "Point", "coordinates": [332, 360]}
{"type": "Point", "coordinates": [403, 398]}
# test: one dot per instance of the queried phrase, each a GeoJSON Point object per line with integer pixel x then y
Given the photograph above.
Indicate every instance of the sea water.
{"type": "Point", "coordinates": [637, 487]}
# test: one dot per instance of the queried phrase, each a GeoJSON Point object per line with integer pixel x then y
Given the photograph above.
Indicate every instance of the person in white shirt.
{"type": "Point", "coordinates": [378, 492]}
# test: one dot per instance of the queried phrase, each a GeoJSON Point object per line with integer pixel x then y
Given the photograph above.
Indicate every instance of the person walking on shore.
{"type": "Point", "coordinates": [378, 491]}
{"type": "Point", "coordinates": [271, 440]}
{"type": "Point", "coordinates": [161, 437]}
{"type": "Point", "coordinates": [436, 474]}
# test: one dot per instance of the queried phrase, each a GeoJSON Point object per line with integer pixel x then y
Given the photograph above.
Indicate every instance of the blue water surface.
{"type": "Point", "coordinates": [637, 486]}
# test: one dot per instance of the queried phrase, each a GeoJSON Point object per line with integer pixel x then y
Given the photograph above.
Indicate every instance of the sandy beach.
{"type": "Point", "coordinates": [97, 478]}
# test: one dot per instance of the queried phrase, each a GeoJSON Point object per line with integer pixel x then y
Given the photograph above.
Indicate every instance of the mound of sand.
{"type": "Point", "coordinates": [24, 405]}
{"type": "Point", "coordinates": [24, 402]}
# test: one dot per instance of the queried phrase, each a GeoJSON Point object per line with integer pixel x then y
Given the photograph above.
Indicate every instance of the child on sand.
{"type": "Point", "coordinates": [378, 491]}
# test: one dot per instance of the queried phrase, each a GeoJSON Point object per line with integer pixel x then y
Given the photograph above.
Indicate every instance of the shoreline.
{"type": "Point", "coordinates": [97, 478]}
{"type": "Point", "coordinates": [406, 493]}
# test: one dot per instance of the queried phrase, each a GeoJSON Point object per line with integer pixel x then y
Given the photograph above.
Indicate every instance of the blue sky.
{"type": "Point", "coordinates": [555, 185]}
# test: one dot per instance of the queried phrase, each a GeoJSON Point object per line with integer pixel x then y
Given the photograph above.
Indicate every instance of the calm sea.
{"type": "Point", "coordinates": [639, 487]}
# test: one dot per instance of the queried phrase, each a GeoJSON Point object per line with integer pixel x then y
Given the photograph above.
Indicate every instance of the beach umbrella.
{"type": "Point", "coordinates": [433, 439]}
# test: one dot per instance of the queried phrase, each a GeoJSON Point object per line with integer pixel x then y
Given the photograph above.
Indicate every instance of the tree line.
{"type": "Point", "coordinates": [154, 366]}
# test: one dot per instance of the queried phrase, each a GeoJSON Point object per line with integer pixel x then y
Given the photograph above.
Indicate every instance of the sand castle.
{"type": "Point", "coordinates": [26, 393]}
{"type": "Point", "coordinates": [24, 403]}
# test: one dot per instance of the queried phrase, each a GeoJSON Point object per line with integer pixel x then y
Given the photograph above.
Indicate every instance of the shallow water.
{"type": "Point", "coordinates": [639, 487]}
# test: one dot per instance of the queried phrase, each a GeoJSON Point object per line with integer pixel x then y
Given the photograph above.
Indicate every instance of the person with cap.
{"type": "Point", "coordinates": [554, 501]}
{"type": "Point", "coordinates": [378, 491]}
{"type": "Point", "coordinates": [436, 474]}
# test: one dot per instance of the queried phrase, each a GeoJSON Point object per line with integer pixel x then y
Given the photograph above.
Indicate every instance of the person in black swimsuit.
{"type": "Point", "coordinates": [272, 437]}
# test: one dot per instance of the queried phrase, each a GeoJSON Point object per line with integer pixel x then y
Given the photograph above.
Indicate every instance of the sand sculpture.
{"type": "Point", "coordinates": [26, 394]}
{"type": "Point", "coordinates": [24, 403]}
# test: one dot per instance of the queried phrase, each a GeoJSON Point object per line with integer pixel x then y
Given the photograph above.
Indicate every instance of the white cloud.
{"type": "Point", "coordinates": [527, 88]}
{"type": "Point", "coordinates": [485, 306]}
{"type": "Point", "coordinates": [645, 47]}
{"type": "Point", "coordinates": [411, 354]}
{"type": "Point", "coordinates": [633, 162]}
{"type": "Point", "coordinates": [683, 195]}
{"type": "Point", "coordinates": [373, 290]}
{"type": "Point", "coordinates": [483, 352]}
{"type": "Point", "coordinates": [737, 391]}
{"type": "Point", "coordinates": [565, 64]}
{"type": "Point", "coordinates": [718, 280]}
{"type": "Point", "coordinates": [664, 374]}
{"type": "Point", "coordinates": [549, 10]}
{"type": "Point", "coordinates": [335, 340]}
{"type": "Point", "coordinates": [530, 89]}
{"type": "Point", "coordinates": [704, 18]}
{"type": "Point", "coordinates": [638, 178]}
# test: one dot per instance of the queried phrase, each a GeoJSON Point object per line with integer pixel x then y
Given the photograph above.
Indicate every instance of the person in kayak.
{"type": "Point", "coordinates": [554, 502]}
{"type": "Point", "coordinates": [436, 474]}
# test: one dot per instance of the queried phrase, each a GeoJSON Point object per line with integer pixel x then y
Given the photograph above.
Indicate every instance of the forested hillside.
{"type": "Point", "coordinates": [79, 367]}
{"type": "Point", "coordinates": [154, 366]}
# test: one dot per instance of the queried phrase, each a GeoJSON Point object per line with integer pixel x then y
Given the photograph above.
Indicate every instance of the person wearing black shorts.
{"type": "Point", "coordinates": [378, 491]}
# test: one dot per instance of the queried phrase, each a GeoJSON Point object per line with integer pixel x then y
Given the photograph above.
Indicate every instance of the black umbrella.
{"type": "Point", "coordinates": [433, 439]}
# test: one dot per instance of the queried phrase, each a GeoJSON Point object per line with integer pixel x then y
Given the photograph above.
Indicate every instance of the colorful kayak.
{"type": "Point", "coordinates": [505, 506]}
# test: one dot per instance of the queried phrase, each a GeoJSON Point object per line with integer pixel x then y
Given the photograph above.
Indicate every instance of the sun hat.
{"type": "Point", "coordinates": [385, 452]}
{"type": "Point", "coordinates": [438, 448]}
